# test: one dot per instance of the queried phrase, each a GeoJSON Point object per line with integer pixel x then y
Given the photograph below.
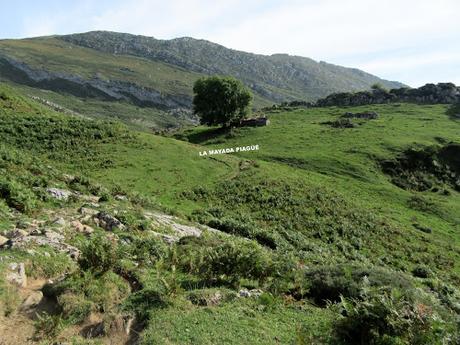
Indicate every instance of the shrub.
{"type": "Point", "coordinates": [329, 283]}
{"type": "Point", "coordinates": [17, 196]}
{"type": "Point", "coordinates": [48, 326]}
{"type": "Point", "coordinates": [148, 250]}
{"type": "Point", "coordinates": [75, 307]}
{"type": "Point", "coordinates": [144, 301]}
{"type": "Point", "coordinates": [99, 254]}
{"type": "Point", "coordinates": [387, 316]}
{"type": "Point", "coordinates": [231, 260]}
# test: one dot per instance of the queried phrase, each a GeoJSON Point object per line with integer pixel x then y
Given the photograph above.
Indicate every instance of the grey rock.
{"type": "Point", "coordinates": [32, 301]}
{"type": "Point", "coordinates": [3, 240]}
{"type": "Point", "coordinates": [17, 274]}
{"type": "Point", "coordinates": [59, 194]}
{"type": "Point", "coordinates": [17, 233]}
{"type": "Point", "coordinates": [108, 222]}
{"type": "Point", "coordinates": [59, 221]}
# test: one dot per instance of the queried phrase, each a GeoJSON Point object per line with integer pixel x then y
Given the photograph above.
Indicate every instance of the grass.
{"type": "Point", "coordinates": [311, 202]}
{"type": "Point", "coordinates": [244, 321]}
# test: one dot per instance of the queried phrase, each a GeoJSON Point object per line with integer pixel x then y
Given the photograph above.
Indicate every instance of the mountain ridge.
{"type": "Point", "coordinates": [123, 73]}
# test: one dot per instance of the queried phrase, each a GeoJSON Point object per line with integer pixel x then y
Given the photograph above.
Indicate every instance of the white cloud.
{"type": "Point", "coordinates": [385, 37]}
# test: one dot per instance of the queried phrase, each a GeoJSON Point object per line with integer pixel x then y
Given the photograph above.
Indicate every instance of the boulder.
{"type": "Point", "coordinates": [59, 194]}
{"type": "Point", "coordinates": [59, 221]}
{"type": "Point", "coordinates": [32, 300]}
{"type": "Point", "coordinates": [17, 274]}
{"type": "Point", "coordinates": [108, 222]}
{"type": "Point", "coordinates": [84, 229]}
{"type": "Point", "coordinates": [3, 240]}
{"type": "Point", "coordinates": [16, 233]}
{"type": "Point", "coordinates": [86, 211]}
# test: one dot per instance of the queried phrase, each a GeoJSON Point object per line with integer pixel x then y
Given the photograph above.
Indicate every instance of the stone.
{"type": "Point", "coordinates": [3, 240]}
{"type": "Point", "coordinates": [59, 221]}
{"type": "Point", "coordinates": [17, 274]}
{"type": "Point", "coordinates": [250, 293]}
{"type": "Point", "coordinates": [59, 194]}
{"type": "Point", "coordinates": [108, 222]}
{"type": "Point", "coordinates": [120, 197]}
{"type": "Point", "coordinates": [88, 211]}
{"type": "Point", "coordinates": [244, 293]}
{"type": "Point", "coordinates": [54, 236]}
{"type": "Point", "coordinates": [16, 233]}
{"type": "Point", "coordinates": [32, 300]}
{"type": "Point", "coordinates": [84, 229]}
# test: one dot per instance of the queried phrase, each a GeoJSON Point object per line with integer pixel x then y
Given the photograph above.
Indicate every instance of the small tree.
{"type": "Point", "coordinates": [221, 100]}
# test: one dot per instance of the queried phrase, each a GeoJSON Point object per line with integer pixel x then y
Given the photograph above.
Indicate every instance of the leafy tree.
{"type": "Point", "coordinates": [221, 100]}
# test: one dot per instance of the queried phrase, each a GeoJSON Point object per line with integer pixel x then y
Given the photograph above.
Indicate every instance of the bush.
{"type": "Point", "coordinates": [148, 250]}
{"type": "Point", "coordinates": [75, 307]}
{"type": "Point", "coordinates": [17, 196]}
{"type": "Point", "coordinates": [99, 254]}
{"type": "Point", "coordinates": [144, 301]}
{"type": "Point", "coordinates": [387, 316]}
{"type": "Point", "coordinates": [231, 260]}
{"type": "Point", "coordinates": [330, 283]}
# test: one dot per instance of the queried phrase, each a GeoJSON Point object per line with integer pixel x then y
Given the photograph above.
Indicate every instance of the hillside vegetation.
{"type": "Point", "coordinates": [147, 83]}
{"type": "Point", "coordinates": [325, 235]}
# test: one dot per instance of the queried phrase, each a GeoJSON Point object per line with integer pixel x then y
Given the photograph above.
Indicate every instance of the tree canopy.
{"type": "Point", "coordinates": [221, 100]}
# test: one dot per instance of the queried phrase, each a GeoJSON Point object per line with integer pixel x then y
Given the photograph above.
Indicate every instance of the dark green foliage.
{"type": "Point", "coordinates": [230, 260]}
{"type": "Point", "coordinates": [454, 111]}
{"type": "Point", "coordinates": [221, 100]}
{"type": "Point", "coordinates": [143, 302]}
{"type": "Point", "coordinates": [148, 250]}
{"type": "Point", "coordinates": [425, 168]}
{"type": "Point", "coordinates": [329, 283]}
{"type": "Point", "coordinates": [17, 195]}
{"type": "Point", "coordinates": [99, 254]}
{"type": "Point", "coordinates": [388, 317]}
{"type": "Point", "coordinates": [290, 214]}
{"type": "Point", "coordinates": [75, 307]}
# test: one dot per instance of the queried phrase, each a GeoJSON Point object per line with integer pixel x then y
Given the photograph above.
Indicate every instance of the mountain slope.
{"type": "Point", "coordinates": [299, 231]}
{"type": "Point", "coordinates": [148, 82]}
{"type": "Point", "coordinates": [290, 74]}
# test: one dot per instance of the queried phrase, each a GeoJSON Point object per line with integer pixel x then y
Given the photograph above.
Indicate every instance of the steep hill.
{"type": "Point", "coordinates": [148, 82]}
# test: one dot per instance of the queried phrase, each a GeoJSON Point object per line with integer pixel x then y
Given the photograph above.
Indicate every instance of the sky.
{"type": "Point", "coordinates": [411, 41]}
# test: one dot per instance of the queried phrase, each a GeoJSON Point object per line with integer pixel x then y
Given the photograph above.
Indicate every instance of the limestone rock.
{"type": "Point", "coordinates": [17, 274]}
{"type": "Point", "coordinates": [108, 222]}
{"type": "Point", "coordinates": [86, 211]}
{"type": "Point", "coordinates": [59, 194]}
{"type": "Point", "coordinates": [3, 240]}
{"type": "Point", "coordinates": [84, 229]}
{"type": "Point", "coordinates": [32, 300]}
{"type": "Point", "coordinates": [17, 233]}
{"type": "Point", "coordinates": [59, 221]}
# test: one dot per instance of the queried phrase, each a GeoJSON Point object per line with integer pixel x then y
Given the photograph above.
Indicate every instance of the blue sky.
{"type": "Point", "coordinates": [413, 41]}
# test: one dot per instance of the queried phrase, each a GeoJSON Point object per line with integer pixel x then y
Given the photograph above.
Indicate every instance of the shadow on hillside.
{"type": "Point", "coordinates": [454, 112]}
{"type": "Point", "coordinates": [208, 134]}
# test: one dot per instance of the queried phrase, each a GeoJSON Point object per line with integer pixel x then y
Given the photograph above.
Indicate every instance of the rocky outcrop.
{"type": "Point", "coordinates": [17, 274]}
{"type": "Point", "coordinates": [442, 93]}
{"type": "Point", "coordinates": [110, 90]}
{"type": "Point", "coordinates": [108, 222]}
{"type": "Point", "coordinates": [50, 238]}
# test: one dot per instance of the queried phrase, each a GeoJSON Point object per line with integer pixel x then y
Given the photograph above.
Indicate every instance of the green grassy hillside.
{"type": "Point", "coordinates": [311, 242]}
